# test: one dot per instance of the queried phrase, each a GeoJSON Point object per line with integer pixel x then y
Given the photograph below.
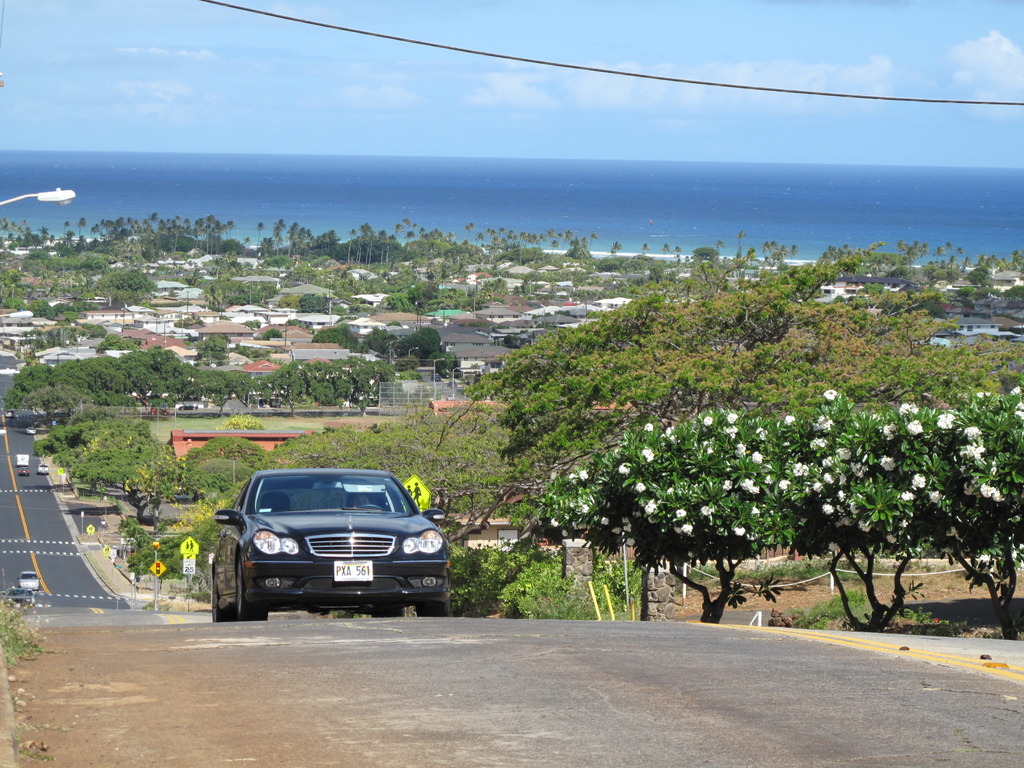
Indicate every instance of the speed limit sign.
{"type": "Point", "coordinates": [188, 566]}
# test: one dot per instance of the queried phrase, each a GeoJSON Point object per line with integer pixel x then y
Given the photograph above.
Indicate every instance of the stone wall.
{"type": "Point", "coordinates": [577, 561]}
{"type": "Point", "coordinates": [661, 596]}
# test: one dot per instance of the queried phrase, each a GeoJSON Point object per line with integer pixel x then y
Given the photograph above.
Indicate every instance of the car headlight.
{"type": "Point", "coordinates": [271, 544]}
{"type": "Point", "coordinates": [428, 543]}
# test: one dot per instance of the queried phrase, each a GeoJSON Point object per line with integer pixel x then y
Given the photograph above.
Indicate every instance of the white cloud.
{"type": "Point", "coordinates": [601, 92]}
{"type": "Point", "coordinates": [992, 67]}
{"type": "Point", "coordinates": [153, 96]}
{"type": "Point", "coordinates": [517, 90]}
{"type": "Point", "coordinates": [162, 53]}
{"type": "Point", "coordinates": [387, 96]}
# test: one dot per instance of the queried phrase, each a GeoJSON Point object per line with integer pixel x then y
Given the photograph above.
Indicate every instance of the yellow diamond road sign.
{"type": "Point", "coordinates": [158, 569]}
{"type": "Point", "coordinates": [189, 548]}
{"type": "Point", "coordinates": [420, 492]}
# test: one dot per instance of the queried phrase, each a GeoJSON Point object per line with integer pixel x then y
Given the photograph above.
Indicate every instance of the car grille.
{"type": "Point", "coordinates": [351, 545]}
{"type": "Point", "coordinates": [330, 585]}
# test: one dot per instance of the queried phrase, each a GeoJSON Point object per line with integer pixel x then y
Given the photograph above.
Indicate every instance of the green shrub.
{"type": "Point", "coordinates": [830, 614]}
{"type": "Point", "coordinates": [479, 574]}
{"type": "Point", "coordinates": [18, 639]}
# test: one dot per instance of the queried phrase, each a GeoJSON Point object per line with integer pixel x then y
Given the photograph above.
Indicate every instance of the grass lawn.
{"type": "Point", "coordinates": [162, 429]}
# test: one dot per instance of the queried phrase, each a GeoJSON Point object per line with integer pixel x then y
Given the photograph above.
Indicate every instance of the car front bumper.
{"type": "Point", "coordinates": [310, 584]}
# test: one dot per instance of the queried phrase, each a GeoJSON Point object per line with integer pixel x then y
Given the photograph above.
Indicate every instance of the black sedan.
{"type": "Point", "coordinates": [328, 539]}
{"type": "Point", "coordinates": [23, 472]}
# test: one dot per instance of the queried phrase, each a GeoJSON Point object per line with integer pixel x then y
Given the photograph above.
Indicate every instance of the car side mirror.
{"type": "Point", "coordinates": [435, 516]}
{"type": "Point", "coordinates": [228, 517]}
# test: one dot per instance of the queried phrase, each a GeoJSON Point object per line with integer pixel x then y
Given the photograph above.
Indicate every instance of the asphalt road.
{"type": "Point", "coordinates": [35, 532]}
{"type": "Point", "coordinates": [381, 693]}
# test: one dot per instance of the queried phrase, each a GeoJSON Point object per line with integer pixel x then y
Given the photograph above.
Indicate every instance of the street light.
{"type": "Point", "coordinates": [59, 196]}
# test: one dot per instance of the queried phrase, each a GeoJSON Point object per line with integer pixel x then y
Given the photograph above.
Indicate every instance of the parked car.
{"type": "Point", "coordinates": [20, 596]}
{"type": "Point", "coordinates": [23, 471]}
{"type": "Point", "coordinates": [42, 469]}
{"type": "Point", "coordinates": [28, 580]}
{"type": "Point", "coordinates": [328, 539]}
{"type": "Point", "coordinates": [30, 430]}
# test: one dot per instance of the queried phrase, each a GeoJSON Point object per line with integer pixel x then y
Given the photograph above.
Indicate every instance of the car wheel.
{"type": "Point", "coordinates": [244, 610]}
{"type": "Point", "coordinates": [220, 614]}
{"type": "Point", "coordinates": [434, 610]}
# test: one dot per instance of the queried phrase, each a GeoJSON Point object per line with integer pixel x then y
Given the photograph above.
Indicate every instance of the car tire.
{"type": "Point", "coordinates": [220, 614]}
{"type": "Point", "coordinates": [434, 610]}
{"type": "Point", "coordinates": [244, 610]}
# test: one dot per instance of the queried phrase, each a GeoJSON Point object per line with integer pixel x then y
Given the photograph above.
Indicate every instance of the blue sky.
{"type": "Point", "coordinates": [186, 76]}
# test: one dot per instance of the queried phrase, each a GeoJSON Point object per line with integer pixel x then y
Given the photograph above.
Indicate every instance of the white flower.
{"type": "Point", "coordinates": [945, 420]}
{"type": "Point", "coordinates": [833, 547]}
{"type": "Point", "coordinates": [830, 394]}
{"type": "Point", "coordinates": [823, 424]}
{"type": "Point", "coordinates": [972, 433]}
{"type": "Point", "coordinates": [708, 421]}
{"type": "Point", "coordinates": [918, 481]}
{"type": "Point", "coordinates": [731, 431]}
{"type": "Point", "coordinates": [799, 470]}
{"type": "Point", "coordinates": [844, 454]}
{"type": "Point", "coordinates": [908, 408]}
{"type": "Point", "coordinates": [748, 485]}
{"type": "Point", "coordinates": [623, 469]}
{"type": "Point", "coordinates": [827, 461]}
{"type": "Point", "coordinates": [888, 464]}
{"type": "Point", "coordinates": [680, 514]}
{"type": "Point", "coordinates": [755, 511]}
{"type": "Point", "coordinates": [783, 485]}
{"type": "Point", "coordinates": [651, 507]}
{"type": "Point", "coordinates": [1015, 391]}
{"type": "Point", "coordinates": [687, 529]}
{"type": "Point", "coordinates": [828, 509]}
{"type": "Point", "coordinates": [907, 496]}
{"type": "Point", "coordinates": [889, 430]}
{"type": "Point", "coordinates": [732, 418]}
{"type": "Point", "coordinates": [818, 442]}
{"type": "Point", "coordinates": [739, 531]}
{"type": "Point", "coordinates": [817, 487]}
{"type": "Point", "coordinates": [605, 521]}
{"type": "Point", "coordinates": [789, 419]}
{"type": "Point", "coordinates": [972, 451]}
{"type": "Point", "coordinates": [915, 428]}
{"type": "Point", "coordinates": [741, 450]}
{"type": "Point", "coordinates": [640, 487]}
{"type": "Point", "coordinates": [756, 457]}
{"type": "Point", "coordinates": [934, 497]}
{"type": "Point", "coordinates": [827, 477]}
{"type": "Point", "coordinates": [630, 542]}
{"type": "Point", "coordinates": [648, 427]}
{"type": "Point", "coordinates": [706, 511]}
{"type": "Point", "coordinates": [648, 454]}
{"type": "Point", "coordinates": [990, 493]}
{"type": "Point", "coordinates": [727, 485]}
{"type": "Point", "coordinates": [760, 432]}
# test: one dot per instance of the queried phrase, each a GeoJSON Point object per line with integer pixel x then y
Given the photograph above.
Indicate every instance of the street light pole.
{"type": "Point", "coordinates": [59, 196]}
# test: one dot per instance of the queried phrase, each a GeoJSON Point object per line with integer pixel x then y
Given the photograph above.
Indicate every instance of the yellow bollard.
{"type": "Point", "coordinates": [608, 599]}
{"type": "Point", "coordinates": [593, 596]}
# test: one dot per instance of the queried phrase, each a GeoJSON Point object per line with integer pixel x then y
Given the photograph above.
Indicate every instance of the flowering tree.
{"type": "Point", "coordinates": [978, 514]}
{"type": "Point", "coordinates": [697, 493]}
{"type": "Point", "coordinates": [860, 487]}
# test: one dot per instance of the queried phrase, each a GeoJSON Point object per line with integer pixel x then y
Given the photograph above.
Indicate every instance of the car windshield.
{"type": "Point", "coordinates": [285, 494]}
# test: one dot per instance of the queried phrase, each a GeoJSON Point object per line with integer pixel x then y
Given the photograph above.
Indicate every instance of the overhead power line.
{"type": "Point", "coordinates": [603, 71]}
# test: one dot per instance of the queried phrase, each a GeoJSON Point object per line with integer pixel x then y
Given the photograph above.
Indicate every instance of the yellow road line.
{"type": "Point", "coordinates": [96, 610]}
{"type": "Point", "coordinates": [171, 618]}
{"type": "Point", "coordinates": [21, 510]}
{"type": "Point", "coordinates": [863, 643]}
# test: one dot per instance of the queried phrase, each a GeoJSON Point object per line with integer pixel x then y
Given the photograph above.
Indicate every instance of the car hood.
{"type": "Point", "coordinates": [297, 525]}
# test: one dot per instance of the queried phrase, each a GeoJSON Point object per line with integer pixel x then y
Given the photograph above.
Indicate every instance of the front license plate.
{"type": "Point", "coordinates": [353, 571]}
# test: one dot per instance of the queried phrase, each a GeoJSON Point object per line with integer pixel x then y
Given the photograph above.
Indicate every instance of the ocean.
{"type": "Point", "coordinates": [664, 206]}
